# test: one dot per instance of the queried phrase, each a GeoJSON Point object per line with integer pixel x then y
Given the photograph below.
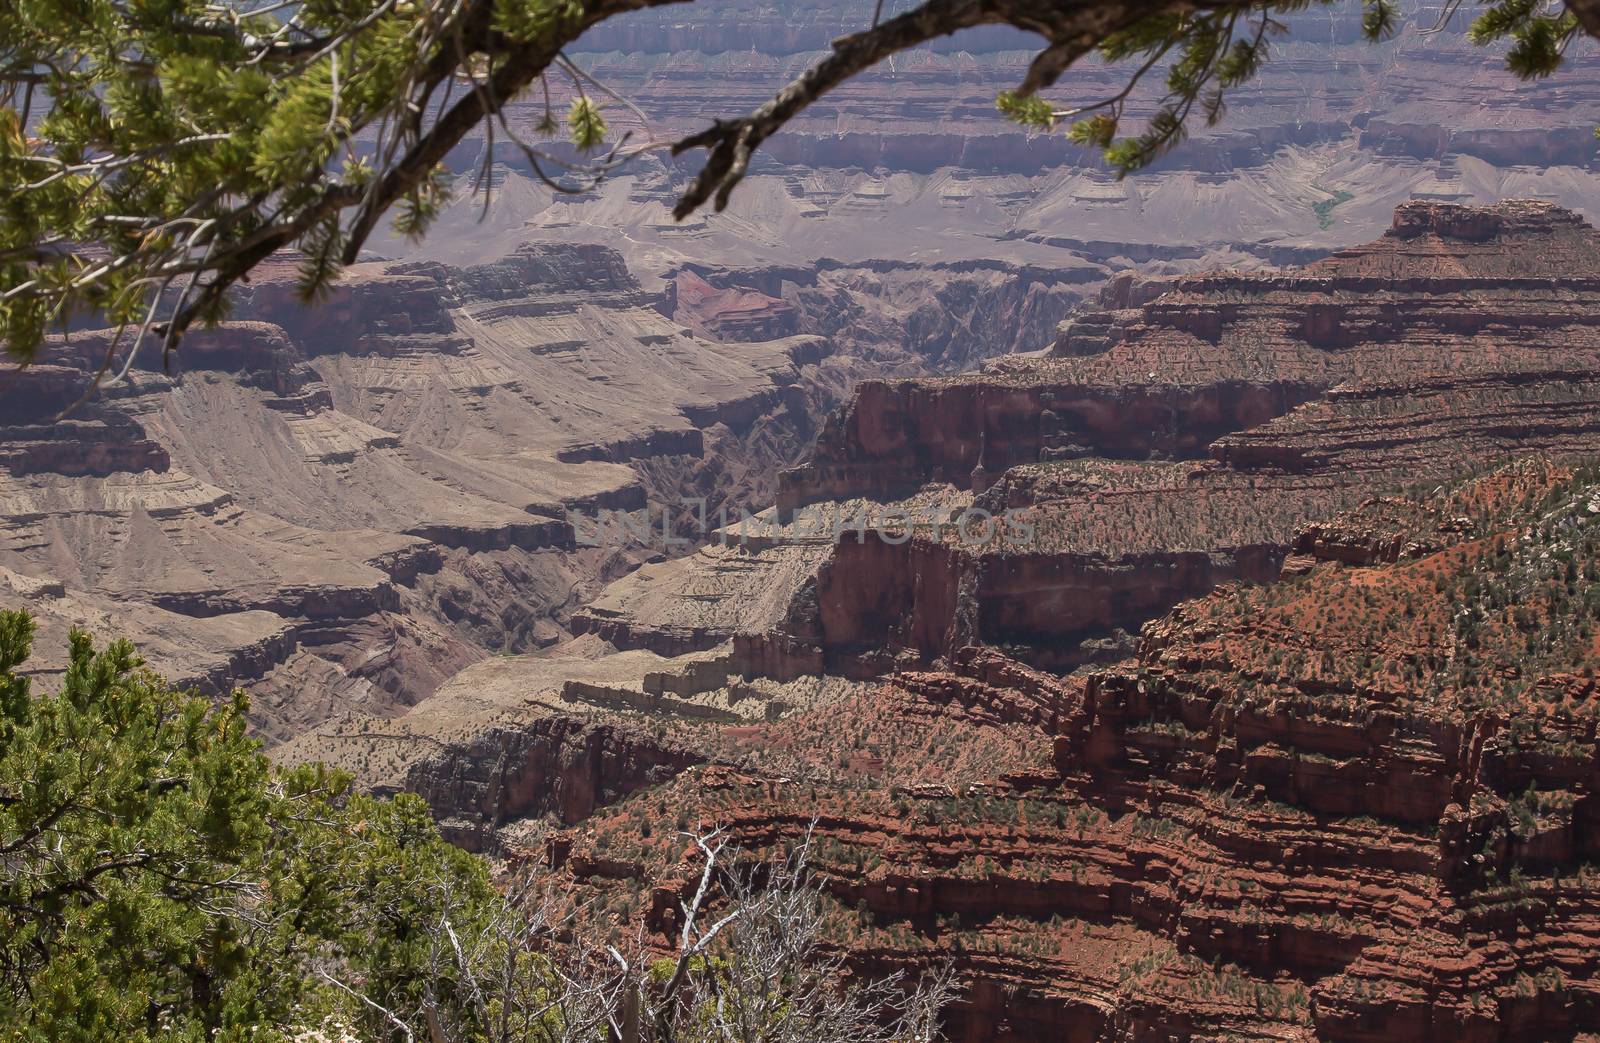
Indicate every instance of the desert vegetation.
{"type": "Point", "coordinates": [162, 881]}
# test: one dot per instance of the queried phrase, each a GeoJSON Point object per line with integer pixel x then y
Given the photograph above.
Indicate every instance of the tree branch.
{"type": "Point", "coordinates": [1072, 27]}
{"type": "Point", "coordinates": [732, 142]}
{"type": "Point", "coordinates": [516, 70]}
{"type": "Point", "coordinates": [1587, 12]}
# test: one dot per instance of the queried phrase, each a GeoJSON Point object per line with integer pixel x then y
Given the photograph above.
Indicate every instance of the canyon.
{"type": "Point", "coordinates": [342, 507]}
{"type": "Point", "coordinates": [1272, 719]}
{"type": "Point", "coordinates": [1166, 598]}
{"type": "Point", "coordinates": [380, 494]}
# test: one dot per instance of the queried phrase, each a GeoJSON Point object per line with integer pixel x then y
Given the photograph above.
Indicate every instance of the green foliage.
{"type": "Point", "coordinates": [588, 127]}
{"type": "Point", "coordinates": [1030, 112]}
{"type": "Point", "coordinates": [1324, 210]}
{"type": "Point", "coordinates": [1380, 19]}
{"type": "Point", "coordinates": [1538, 37]}
{"type": "Point", "coordinates": [152, 152]}
{"type": "Point", "coordinates": [1214, 51]}
{"type": "Point", "coordinates": [534, 21]}
{"type": "Point", "coordinates": [161, 880]}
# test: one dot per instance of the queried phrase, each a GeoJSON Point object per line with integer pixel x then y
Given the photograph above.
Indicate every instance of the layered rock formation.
{"type": "Point", "coordinates": [1175, 438]}
{"type": "Point", "coordinates": [345, 506]}
{"type": "Point", "coordinates": [730, 313]}
{"type": "Point", "coordinates": [905, 222]}
{"type": "Point", "coordinates": [1350, 803]}
{"type": "Point", "coordinates": [909, 163]}
{"type": "Point", "coordinates": [364, 497]}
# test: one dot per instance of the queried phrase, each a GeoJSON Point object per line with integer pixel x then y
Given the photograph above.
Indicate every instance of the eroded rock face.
{"type": "Point", "coordinates": [1350, 803]}
{"type": "Point", "coordinates": [1222, 412]}
{"type": "Point", "coordinates": [559, 766]}
{"type": "Point", "coordinates": [1184, 451]}
{"type": "Point", "coordinates": [1451, 296]}
{"type": "Point", "coordinates": [364, 498]}
{"type": "Point", "coordinates": [729, 314]}
{"type": "Point", "coordinates": [81, 448]}
{"type": "Point", "coordinates": [895, 437]}
{"type": "Point", "coordinates": [1331, 808]}
{"type": "Point", "coordinates": [1276, 399]}
{"type": "Point", "coordinates": [372, 494]}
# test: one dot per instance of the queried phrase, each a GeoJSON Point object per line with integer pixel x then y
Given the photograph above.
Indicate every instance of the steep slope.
{"type": "Point", "coordinates": [353, 503]}
{"type": "Point", "coordinates": [1352, 805]}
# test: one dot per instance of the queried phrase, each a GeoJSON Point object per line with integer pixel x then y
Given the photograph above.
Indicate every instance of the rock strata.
{"type": "Point", "coordinates": [1326, 773]}
{"type": "Point", "coordinates": [1187, 447]}
{"type": "Point", "coordinates": [1328, 808]}
{"type": "Point", "coordinates": [367, 497]}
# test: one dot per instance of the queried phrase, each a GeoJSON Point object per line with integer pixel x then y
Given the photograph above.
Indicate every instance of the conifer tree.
{"type": "Point", "coordinates": [154, 152]}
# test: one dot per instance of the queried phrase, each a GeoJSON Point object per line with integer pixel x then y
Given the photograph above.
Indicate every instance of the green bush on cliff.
{"type": "Point", "coordinates": [161, 880]}
{"type": "Point", "coordinates": [158, 879]}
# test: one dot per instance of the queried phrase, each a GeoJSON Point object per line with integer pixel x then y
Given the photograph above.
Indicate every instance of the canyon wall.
{"type": "Point", "coordinates": [1058, 502]}
{"type": "Point", "coordinates": [1354, 804]}
{"type": "Point", "coordinates": [343, 506]}
{"type": "Point", "coordinates": [1328, 772]}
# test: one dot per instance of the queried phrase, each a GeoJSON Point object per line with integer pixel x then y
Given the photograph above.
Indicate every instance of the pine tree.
{"type": "Point", "coordinates": [158, 879]}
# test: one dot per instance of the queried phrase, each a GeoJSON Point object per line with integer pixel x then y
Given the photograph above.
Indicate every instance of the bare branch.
{"type": "Point", "coordinates": [388, 1014]}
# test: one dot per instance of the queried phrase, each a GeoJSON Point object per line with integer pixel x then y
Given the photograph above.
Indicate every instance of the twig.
{"type": "Point", "coordinates": [385, 1011]}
